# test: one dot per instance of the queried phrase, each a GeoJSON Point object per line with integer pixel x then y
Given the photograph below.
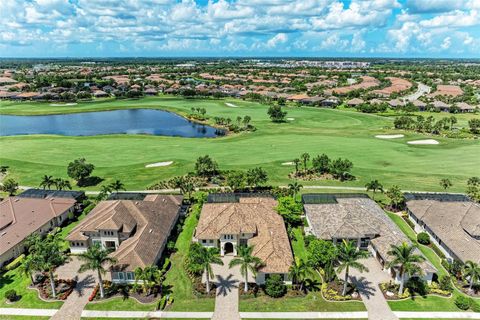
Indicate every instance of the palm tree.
{"type": "Point", "coordinates": [149, 276]}
{"type": "Point", "coordinates": [47, 182]}
{"type": "Point", "coordinates": [95, 258]}
{"type": "Point", "coordinates": [48, 255]}
{"type": "Point", "coordinates": [63, 184]}
{"type": "Point", "coordinates": [305, 157]}
{"type": "Point", "coordinates": [299, 271]}
{"type": "Point", "coordinates": [445, 183]}
{"type": "Point", "coordinates": [471, 270]}
{"type": "Point", "coordinates": [295, 188]}
{"type": "Point", "coordinates": [247, 261]}
{"type": "Point", "coordinates": [374, 185]}
{"type": "Point", "coordinates": [296, 162]}
{"type": "Point", "coordinates": [208, 257]}
{"type": "Point", "coordinates": [405, 259]}
{"type": "Point", "coordinates": [348, 256]}
{"type": "Point", "coordinates": [28, 266]}
{"type": "Point", "coordinates": [117, 185]}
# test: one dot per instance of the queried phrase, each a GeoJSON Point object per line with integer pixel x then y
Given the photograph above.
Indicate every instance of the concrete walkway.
{"type": "Point", "coordinates": [367, 284]}
{"type": "Point", "coordinates": [78, 299]}
{"type": "Point", "coordinates": [27, 312]}
{"type": "Point", "coordinates": [304, 315]}
{"type": "Point", "coordinates": [145, 314]}
{"type": "Point", "coordinates": [227, 281]}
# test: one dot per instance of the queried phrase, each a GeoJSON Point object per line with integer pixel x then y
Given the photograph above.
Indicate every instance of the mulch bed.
{"type": "Point", "coordinates": [310, 176]}
{"type": "Point", "coordinates": [465, 289]}
{"type": "Point", "coordinates": [337, 286]}
{"type": "Point", "coordinates": [64, 287]}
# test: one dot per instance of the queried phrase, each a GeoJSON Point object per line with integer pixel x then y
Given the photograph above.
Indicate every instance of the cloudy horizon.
{"type": "Point", "coordinates": [246, 28]}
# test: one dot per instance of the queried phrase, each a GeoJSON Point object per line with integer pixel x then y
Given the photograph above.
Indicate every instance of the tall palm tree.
{"type": "Point", "coordinates": [471, 270]}
{"type": "Point", "coordinates": [209, 256]}
{"type": "Point", "coordinates": [296, 162]}
{"type": "Point", "coordinates": [299, 272]}
{"type": "Point", "coordinates": [117, 185]}
{"type": "Point", "coordinates": [348, 256]}
{"type": "Point", "coordinates": [405, 259]}
{"type": "Point", "coordinates": [305, 157]}
{"type": "Point", "coordinates": [247, 261]}
{"type": "Point", "coordinates": [63, 184]}
{"type": "Point", "coordinates": [94, 259]}
{"type": "Point", "coordinates": [47, 182]}
{"type": "Point", "coordinates": [295, 188]}
{"type": "Point", "coordinates": [374, 185]}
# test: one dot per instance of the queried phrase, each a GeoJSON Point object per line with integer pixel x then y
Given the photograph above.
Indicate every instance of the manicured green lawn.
{"type": "Point", "coordinates": [312, 302]}
{"type": "Point", "coordinates": [16, 280]}
{"type": "Point", "coordinates": [335, 132]}
{"type": "Point", "coordinates": [121, 304]}
{"type": "Point", "coordinates": [181, 285]}
{"type": "Point", "coordinates": [298, 245]}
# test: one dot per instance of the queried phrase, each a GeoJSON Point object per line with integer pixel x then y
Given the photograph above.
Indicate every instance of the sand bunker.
{"type": "Point", "coordinates": [159, 164]}
{"type": "Point", "coordinates": [63, 104]}
{"type": "Point", "coordinates": [290, 119]}
{"type": "Point", "coordinates": [287, 163]}
{"type": "Point", "coordinates": [231, 105]}
{"type": "Point", "coordinates": [427, 141]}
{"type": "Point", "coordinates": [389, 136]}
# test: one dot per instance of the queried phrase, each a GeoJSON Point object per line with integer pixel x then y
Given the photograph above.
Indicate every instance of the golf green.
{"type": "Point", "coordinates": [337, 133]}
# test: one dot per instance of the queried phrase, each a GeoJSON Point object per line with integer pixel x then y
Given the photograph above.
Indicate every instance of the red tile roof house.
{"type": "Point", "coordinates": [251, 221]}
{"type": "Point", "coordinates": [20, 217]}
{"type": "Point", "coordinates": [137, 231]}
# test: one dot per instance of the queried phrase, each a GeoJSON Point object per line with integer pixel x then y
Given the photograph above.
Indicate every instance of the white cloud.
{"type": "Point", "coordinates": [447, 42]}
{"type": "Point", "coordinates": [279, 38]}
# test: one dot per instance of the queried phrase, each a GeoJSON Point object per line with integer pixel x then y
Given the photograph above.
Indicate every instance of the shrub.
{"type": "Point", "coordinates": [463, 303]}
{"type": "Point", "coordinates": [275, 287]}
{"type": "Point", "coordinates": [15, 263]}
{"type": "Point", "coordinates": [11, 295]}
{"type": "Point", "coordinates": [445, 283]}
{"type": "Point", "coordinates": [475, 306]}
{"type": "Point", "coordinates": [417, 285]}
{"type": "Point", "coordinates": [423, 238]}
{"type": "Point", "coordinates": [162, 303]}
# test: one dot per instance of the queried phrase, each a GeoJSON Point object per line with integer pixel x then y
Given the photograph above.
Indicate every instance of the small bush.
{"type": "Point", "coordinates": [15, 263]}
{"type": "Point", "coordinates": [423, 238]}
{"type": "Point", "coordinates": [275, 287]}
{"type": "Point", "coordinates": [445, 283]}
{"type": "Point", "coordinates": [417, 286]}
{"type": "Point", "coordinates": [463, 303]}
{"type": "Point", "coordinates": [162, 303]}
{"type": "Point", "coordinates": [11, 295]}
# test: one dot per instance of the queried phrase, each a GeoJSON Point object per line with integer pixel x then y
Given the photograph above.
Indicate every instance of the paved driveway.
{"type": "Point", "coordinates": [76, 301]}
{"type": "Point", "coordinates": [227, 281]}
{"type": "Point", "coordinates": [367, 284]}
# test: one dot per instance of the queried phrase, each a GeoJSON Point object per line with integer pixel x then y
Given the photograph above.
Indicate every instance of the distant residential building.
{"type": "Point", "coordinates": [441, 106]}
{"type": "Point", "coordinates": [355, 102]}
{"type": "Point", "coordinates": [136, 230]}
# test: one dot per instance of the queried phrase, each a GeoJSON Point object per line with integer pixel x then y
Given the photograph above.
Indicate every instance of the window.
{"type": "Point", "coordinates": [204, 241]}
{"type": "Point", "coordinates": [121, 276]}
{"type": "Point", "coordinates": [130, 276]}
{"type": "Point", "coordinates": [210, 241]}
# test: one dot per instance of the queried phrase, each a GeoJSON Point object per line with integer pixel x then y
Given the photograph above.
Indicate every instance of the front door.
{"type": "Point", "coordinates": [228, 248]}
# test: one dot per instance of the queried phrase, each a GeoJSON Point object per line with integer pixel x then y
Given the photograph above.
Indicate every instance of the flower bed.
{"type": "Point", "coordinates": [112, 290]}
{"type": "Point", "coordinates": [465, 288]}
{"type": "Point", "coordinates": [390, 291]}
{"type": "Point", "coordinates": [200, 289]}
{"type": "Point", "coordinates": [63, 287]}
{"type": "Point", "coordinates": [332, 291]}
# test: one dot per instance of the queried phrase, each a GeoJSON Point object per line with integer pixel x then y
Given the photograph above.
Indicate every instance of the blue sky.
{"type": "Point", "coordinates": [310, 28]}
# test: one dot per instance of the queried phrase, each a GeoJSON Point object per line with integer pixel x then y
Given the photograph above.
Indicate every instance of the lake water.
{"type": "Point", "coordinates": [132, 121]}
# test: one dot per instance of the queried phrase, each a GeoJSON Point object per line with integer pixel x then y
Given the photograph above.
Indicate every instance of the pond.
{"type": "Point", "coordinates": [131, 121]}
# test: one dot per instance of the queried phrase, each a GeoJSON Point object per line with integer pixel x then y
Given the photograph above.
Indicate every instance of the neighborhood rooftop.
{"type": "Point", "coordinates": [453, 220]}
{"type": "Point", "coordinates": [254, 215]}
{"type": "Point", "coordinates": [354, 217]}
{"type": "Point", "coordinates": [150, 222]}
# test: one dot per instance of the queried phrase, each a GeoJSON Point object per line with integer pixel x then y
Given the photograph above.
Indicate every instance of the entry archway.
{"type": "Point", "coordinates": [228, 248]}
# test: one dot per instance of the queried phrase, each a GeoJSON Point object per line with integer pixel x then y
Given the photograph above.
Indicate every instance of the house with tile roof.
{"type": "Point", "coordinates": [451, 220]}
{"type": "Point", "coordinates": [252, 221]}
{"type": "Point", "coordinates": [135, 230]}
{"type": "Point", "coordinates": [357, 218]}
{"type": "Point", "coordinates": [22, 216]}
